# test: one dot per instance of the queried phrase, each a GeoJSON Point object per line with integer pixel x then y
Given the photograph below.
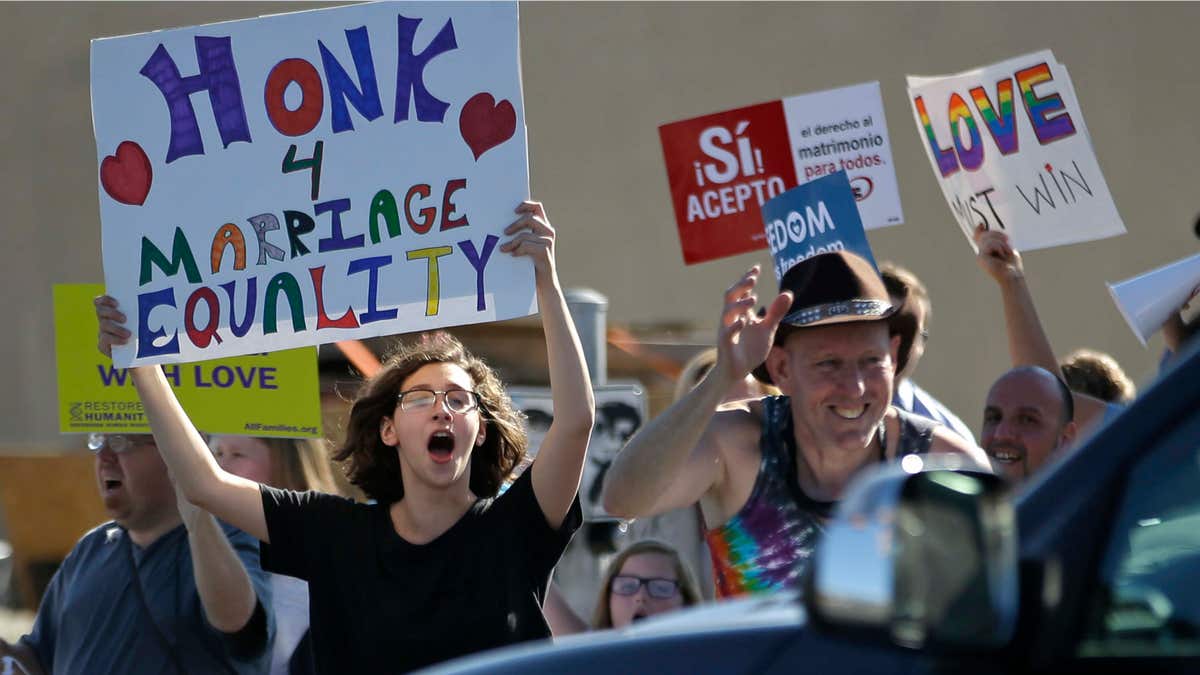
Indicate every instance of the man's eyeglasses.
{"type": "Point", "coordinates": [624, 584]}
{"type": "Point", "coordinates": [457, 400]}
{"type": "Point", "coordinates": [115, 442]}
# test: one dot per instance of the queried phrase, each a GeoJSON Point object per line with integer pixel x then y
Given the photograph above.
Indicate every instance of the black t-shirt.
{"type": "Point", "coordinates": [379, 604]}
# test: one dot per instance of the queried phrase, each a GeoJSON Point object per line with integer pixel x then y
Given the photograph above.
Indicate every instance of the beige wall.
{"type": "Point", "coordinates": [599, 79]}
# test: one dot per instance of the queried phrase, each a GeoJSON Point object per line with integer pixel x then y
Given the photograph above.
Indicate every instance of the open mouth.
{"type": "Point", "coordinates": [639, 616]}
{"type": "Point", "coordinates": [850, 413]}
{"type": "Point", "coordinates": [441, 446]}
{"type": "Point", "coordinates": [111, 484]}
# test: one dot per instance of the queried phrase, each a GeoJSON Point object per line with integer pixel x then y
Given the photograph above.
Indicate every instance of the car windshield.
{"type": "Point", "coordinates": [1148, 601]}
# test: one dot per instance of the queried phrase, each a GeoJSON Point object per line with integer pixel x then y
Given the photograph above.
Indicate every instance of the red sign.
{"type": "Point", "coordinates": [722, 168]}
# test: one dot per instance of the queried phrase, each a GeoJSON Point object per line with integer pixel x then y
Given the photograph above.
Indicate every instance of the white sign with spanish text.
{"type": "Point", "coordinates": [845, 130]}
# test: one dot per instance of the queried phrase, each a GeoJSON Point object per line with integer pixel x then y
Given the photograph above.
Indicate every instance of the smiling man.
{"type": "Point", "coordinates": [767, 472]}
{"type": "Point", "coordinates": [1030, 412]}
{"type": "Point", "coordinates": [1029, 415]}
{"type": "Point", "coordinates": [161, 588]}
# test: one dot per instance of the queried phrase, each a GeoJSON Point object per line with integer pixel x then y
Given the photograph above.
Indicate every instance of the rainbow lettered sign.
{"type": "Point", "coordinates": [1010, 149]}
{"type": "Point", "coordinates": [723, 167]}
{"type": "Point", "coordinates": [275, 394]}
{"type": "Point", "coordinates": [311, 177]}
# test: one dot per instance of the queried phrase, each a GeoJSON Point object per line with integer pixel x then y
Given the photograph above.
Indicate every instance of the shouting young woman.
{"type": "Point", "coordinates": [438, 566]}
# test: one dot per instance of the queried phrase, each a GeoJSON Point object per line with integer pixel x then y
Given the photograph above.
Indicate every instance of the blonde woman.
{"type": "Point", "coordinates": [300, 464]}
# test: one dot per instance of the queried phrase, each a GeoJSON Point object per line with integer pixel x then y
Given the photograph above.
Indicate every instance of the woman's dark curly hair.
{"type": "Point", "coordinates": [375, 467]}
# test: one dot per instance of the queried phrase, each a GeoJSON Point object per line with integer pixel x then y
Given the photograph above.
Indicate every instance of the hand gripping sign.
{"type": "Point", "coordinates": [311, 177]}
{"type": "Point", "coordinates": [723, 167]}
{"type": "Point", "coordinates": [1010, 150]}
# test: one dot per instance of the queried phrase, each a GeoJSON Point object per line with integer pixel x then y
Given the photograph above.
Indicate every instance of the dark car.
{"type": "Point", "coordinates": [1093, 566]}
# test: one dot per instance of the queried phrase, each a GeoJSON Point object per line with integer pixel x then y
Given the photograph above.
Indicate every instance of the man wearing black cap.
{"type": "Point", "coordinates": [159, 589]}
{"type": "Point", "coordinates": [767, 472]}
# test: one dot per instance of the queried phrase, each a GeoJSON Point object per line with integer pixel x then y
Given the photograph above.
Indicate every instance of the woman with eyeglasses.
{"type": "Point", "coordinates": [438, 566]}
{"type": "Point", "coordinates": [645, 579]}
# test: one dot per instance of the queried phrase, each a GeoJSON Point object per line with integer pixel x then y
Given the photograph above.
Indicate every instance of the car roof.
{"type": "Point", "coordinates": [762, 610]}
{"type": "Point", "coordinates": [781, 611]}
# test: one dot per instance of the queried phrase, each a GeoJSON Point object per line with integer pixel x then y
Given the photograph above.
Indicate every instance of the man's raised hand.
{"type": "Point", "coordinates": [744, 339]}
{"type": "Point", "coordinates": [996, 255]}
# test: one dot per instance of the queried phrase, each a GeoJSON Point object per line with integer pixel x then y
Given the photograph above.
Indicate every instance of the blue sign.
{"type": "Point", "coordinates": [817, 217]}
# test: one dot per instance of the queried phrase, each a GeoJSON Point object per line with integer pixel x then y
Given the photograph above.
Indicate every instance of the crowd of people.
{"type": "Point", "coordinates": [238, 554]}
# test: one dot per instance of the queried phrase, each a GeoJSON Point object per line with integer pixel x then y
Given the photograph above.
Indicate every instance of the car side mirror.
{"type": "Point", "coordinates": [923, 554]}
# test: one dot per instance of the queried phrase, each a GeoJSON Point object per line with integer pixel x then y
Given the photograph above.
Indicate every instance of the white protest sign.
{"type": "Point", "coordinates": [845, 130]}
{"type": "Point", "coordinates": [1149, 299]}
{"type": "Point", "coordinates": [724, 166]}
{"type": "Point", "coordinates": [1011, 151]}
{"type": "Point", "coordinates": [305, 178]}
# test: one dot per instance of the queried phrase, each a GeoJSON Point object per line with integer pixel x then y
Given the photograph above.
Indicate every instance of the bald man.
{"type": "Point", "coordinates": [1028, 417]}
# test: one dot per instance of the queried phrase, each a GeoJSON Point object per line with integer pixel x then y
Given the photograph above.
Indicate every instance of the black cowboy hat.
{"type": "Point", "coordinates": [829, 288]}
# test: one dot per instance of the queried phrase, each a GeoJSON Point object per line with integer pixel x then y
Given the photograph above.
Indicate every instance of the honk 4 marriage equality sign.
{"type": "Point", "coordinates": [311, 177]}
{"type": "Point", "coordinates": [276, 394]}
{"type": "Point", "coordinates": [1010, 149]}
{"type": "Point", "coordinates": [723, 167]}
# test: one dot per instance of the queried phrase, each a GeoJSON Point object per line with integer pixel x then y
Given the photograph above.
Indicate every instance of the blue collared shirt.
{"type": "Point", "coordinates": [91, 620]}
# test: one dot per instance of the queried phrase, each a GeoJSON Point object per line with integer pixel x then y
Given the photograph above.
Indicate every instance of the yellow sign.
{"type": "Point", "coordinates": [275, 394]}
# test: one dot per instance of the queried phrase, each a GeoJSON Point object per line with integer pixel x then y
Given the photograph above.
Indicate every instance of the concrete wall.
{"type": "Point", "coordinates": [599, 78]}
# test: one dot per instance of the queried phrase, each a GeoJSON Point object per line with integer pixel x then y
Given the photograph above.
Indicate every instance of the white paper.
{"type": "Point", "coordinates": [234, 182]}
{"type": "Point", "coordinates": [1042, 187]}
{"type": "Point", "coordinates": [845, 129]}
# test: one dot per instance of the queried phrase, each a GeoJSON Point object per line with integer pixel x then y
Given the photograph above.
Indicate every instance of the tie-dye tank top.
{"type": "Point", "coordinates": [766, 545]}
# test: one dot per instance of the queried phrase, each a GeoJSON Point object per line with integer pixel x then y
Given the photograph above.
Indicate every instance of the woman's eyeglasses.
{"type": "Point", "coordinates": [624, 584]}
{"type": "Point", "coordinates": [457, 400]}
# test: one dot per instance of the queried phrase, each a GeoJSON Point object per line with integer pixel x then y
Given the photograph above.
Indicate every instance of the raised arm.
{"type": "Point", "coordinates": [562, 619]}
{"type": "Point", "coordinates": [676, 458]}
{"type": "Point", "coordinates": [559, 464]}
{"type": "Point", "coordinates": [233, 499]}
{"type": "Point", "coordinates": [222, 582]}
{"type": "Point", "coordinates": [1027, 341]}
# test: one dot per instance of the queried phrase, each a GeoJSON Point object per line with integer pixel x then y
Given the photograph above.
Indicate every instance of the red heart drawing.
{"type": "Point", "coordinates": [484, 124]}
{"type": "Point", "coordinates": [126, 176]}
